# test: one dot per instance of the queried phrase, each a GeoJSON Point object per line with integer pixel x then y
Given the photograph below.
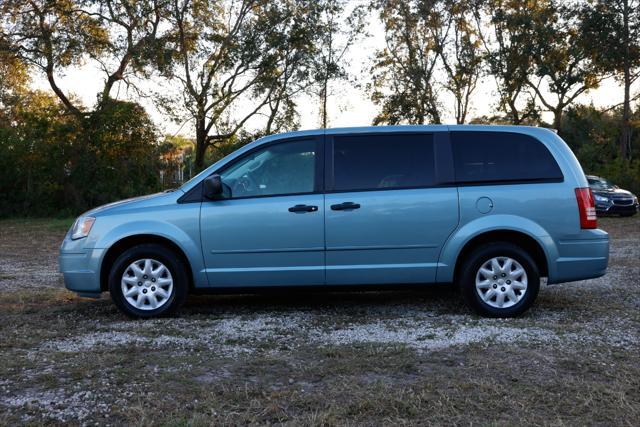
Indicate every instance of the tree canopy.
{"type": "Point", "coordinates": [228, 71]}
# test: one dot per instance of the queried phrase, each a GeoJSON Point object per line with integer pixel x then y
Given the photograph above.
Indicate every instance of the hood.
{"type": "Point", "coordinates": [613, 192]}
{"type": "Point", "coordinates": [134, 202]}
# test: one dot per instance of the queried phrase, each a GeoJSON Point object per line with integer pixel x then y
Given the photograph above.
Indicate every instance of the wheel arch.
{"type": "Point", "coordinates": [523, 240]}
{"type": "Point", "coordinates": [137, 239]}
{"type": "Point", "coordinates": [510, 228]}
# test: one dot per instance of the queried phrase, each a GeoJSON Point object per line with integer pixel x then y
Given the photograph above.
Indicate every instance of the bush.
{"type": "Point", "coordinates": [53, 164]}
{"type": "Point", "coordinates": [593, 136]}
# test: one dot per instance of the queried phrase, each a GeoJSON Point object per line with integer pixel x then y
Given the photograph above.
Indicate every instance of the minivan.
{"type": "Point", "coordinates": [489, 209]}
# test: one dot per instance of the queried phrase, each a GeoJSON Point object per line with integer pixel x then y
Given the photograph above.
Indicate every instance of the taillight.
{"type": "Point", "coordinates": [587, 208]}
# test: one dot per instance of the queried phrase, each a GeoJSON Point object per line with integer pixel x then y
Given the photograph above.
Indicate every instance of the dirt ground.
{"type": "Point", "coordinates": [371, 358]}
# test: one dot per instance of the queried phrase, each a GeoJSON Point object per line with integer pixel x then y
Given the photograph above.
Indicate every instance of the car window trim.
{"type": "Point", "coordinates": [195, 194]}
{"type": "Point", "coordinates": [443, 163]}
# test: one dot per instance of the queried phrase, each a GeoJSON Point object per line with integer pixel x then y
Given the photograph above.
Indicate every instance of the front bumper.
{"type": "Point", "coordinates": [614, 209]}
{"type": "Point", "coordinates": [81, 270]}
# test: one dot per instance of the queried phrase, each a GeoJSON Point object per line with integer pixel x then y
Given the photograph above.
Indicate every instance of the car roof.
{"type": "Point", "coordinates": [531, 130]}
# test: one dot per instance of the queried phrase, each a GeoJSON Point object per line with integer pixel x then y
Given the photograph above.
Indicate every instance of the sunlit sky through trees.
{"type": "Point", "coordinates": [349, 101]}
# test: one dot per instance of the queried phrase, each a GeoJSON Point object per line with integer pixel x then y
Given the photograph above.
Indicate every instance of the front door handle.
{"type": "Point", "coordinates": [345, 206]}
{"type": "Point", "coordinates": [303, 208]}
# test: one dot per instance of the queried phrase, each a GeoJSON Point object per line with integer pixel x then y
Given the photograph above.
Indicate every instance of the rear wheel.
{"type": "Point", "coordinates": [148, 280]}
{"type": "Point", "coordinates": [499, 280]}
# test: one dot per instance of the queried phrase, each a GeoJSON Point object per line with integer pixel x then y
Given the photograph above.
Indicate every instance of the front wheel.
{"type": "Point", "coordinates": [148, 280]}
{"type": "Point", "coordinates": [499, 280]}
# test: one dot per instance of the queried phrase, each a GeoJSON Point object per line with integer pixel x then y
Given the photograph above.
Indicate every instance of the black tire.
{"type": "Point", "coordinates": [471, 265]}
{"type": "Point", "coordinates": [171, 261]}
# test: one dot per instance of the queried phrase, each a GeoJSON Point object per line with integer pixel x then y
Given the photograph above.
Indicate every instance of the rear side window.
{"type": "Point", "coordinates": [482, 157]}
{"type": "Point", "coordinates": [368, 162]}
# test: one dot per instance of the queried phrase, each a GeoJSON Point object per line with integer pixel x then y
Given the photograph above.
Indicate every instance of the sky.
{"type": "Point", "coordinates": [348, 105]}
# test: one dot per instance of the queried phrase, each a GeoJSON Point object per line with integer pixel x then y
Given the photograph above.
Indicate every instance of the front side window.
{"type": "Point", "coordinates": [279, 169]}
{"type": "Point", "coordinates": [369, 162]}
{"type": "Point", "coordinates": [501, 157]}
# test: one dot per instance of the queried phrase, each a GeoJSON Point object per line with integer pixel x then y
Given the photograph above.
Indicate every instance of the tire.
{"type": "Point", "coordinates": [484, 292]}
{"type": "Point", "coordinates": [151, 291]}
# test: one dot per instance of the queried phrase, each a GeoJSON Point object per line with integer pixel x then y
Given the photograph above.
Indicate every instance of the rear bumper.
{"type": "Point", "coordinates": [581, 259]}
{"type": "Point", "coordinates": [81, 270]}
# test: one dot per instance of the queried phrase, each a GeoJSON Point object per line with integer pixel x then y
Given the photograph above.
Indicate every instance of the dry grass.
{"type": "Point", "coordinates": [330, 359]}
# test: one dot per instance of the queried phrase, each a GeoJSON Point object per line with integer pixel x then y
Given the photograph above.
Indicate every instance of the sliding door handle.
{"type": "Point", "coordinates": [303, 208]}
{"type": "Point", "coordinates": [345, 206]}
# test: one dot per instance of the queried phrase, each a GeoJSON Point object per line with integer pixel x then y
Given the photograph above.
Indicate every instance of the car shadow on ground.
{"type": "Point", "coordinates": [440, 298]}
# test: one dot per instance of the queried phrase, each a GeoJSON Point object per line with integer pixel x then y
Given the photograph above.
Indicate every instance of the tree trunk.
{"type": "Point", "coordinates": [625, 134]}
{"type": "Point", "coordinates": [201, 144]}
{"type": "Point", "coordinates": [557, 119]}
{"type": "Point", "coordinates": [515, 115]}
{"type": "Point", "coordinates": [272, 116]}
{"type": "Point", "coordinates": [323, 95]}
{"type": "Point", "coordinates": [459, 109]}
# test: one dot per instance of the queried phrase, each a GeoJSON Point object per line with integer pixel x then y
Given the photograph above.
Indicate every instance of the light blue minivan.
{"type": "Point", "coordinates": [491, 209]}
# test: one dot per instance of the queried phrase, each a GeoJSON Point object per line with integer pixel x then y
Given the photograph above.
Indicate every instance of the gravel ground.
{"type": "Point", "coordinates": [316, 359]}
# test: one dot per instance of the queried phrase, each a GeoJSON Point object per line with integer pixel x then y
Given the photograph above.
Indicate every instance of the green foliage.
{"type": "Point", "coordinates": [461, 57]}
{"type": "Point", "coordinates": [118, 155]}
{"type": "Point", "coordinates": [403, 74]}
{"type": "Point", "coordinates": [563, 61]}
{"type": "Point", "coordinates": [593, 137]}
{"type": "Point", "coordinates": [239, 64]}
{"type": "Point", "coordinates": [227, 53]}
{"type": "Point", "coordinates": [51, 164]}
{"type": "Point", "coordinates": [613, 30]}
{"type": "Point", "coordinates": [505, 30]}
{"type": "Point", "coordinates": [336, 34]}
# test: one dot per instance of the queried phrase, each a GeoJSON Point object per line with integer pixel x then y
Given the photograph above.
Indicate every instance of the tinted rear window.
{"type": "Point", "coordinates": [367, 162]}
{"type": "Point", "coordinates": [501, 156]}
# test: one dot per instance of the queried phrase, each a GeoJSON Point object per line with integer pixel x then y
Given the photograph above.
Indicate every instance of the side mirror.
{"type": "Point", "coordinates": [212, 186]}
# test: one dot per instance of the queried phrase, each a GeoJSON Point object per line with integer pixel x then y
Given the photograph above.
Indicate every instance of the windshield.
{"type": "Point", "coordinates": [600, 184]}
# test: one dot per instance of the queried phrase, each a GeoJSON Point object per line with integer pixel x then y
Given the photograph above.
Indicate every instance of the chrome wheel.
{"type": "Point", "coordinates": [146, 284]}
{"type": "Point", "coordinates": [501, 282]}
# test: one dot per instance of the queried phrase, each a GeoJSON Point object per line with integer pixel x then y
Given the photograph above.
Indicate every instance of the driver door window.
{"type": "Point", "coordinates": [279, 169]}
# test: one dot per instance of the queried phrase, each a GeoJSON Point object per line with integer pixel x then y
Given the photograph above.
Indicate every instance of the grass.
{"type": "Point", "coordinates": [389, 358]}
{"type": "Point", "coordinates": [53, 225]}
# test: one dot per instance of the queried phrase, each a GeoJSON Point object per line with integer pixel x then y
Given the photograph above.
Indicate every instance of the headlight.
{"type": "Point", "coordinates": [82, 227]}
{"type": "Point", "coordinates": [600, 198]}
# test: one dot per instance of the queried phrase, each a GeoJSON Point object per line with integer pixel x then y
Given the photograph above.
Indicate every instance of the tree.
{"type": "Point", "coordinates": [52, 35]}
{"type": "Point", "coordinates": [134, 42]}
{"type": "Point", "coordinates": [337, 35]}
{"type": "Point", "coordinates": [613, 30]}
{"type": "Point", "coordinates": [225, 53]}
{"type": "Point", "coordinates": [461, 58]}
{"type": "Point", "coordinates": [403, 73]}
{"type": "Point", "coordinates": [49, 164]}
{"type": "Point", "coordinates": [562, 60]}
{"type": "Point", "coordinates": [293, 29]}
{"type": "Point", "coordinates": [14, 81]}
{"type": "Point", "coordinates": [594, 134]}
{"type": "Point", "coordinates": [504, 29]}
